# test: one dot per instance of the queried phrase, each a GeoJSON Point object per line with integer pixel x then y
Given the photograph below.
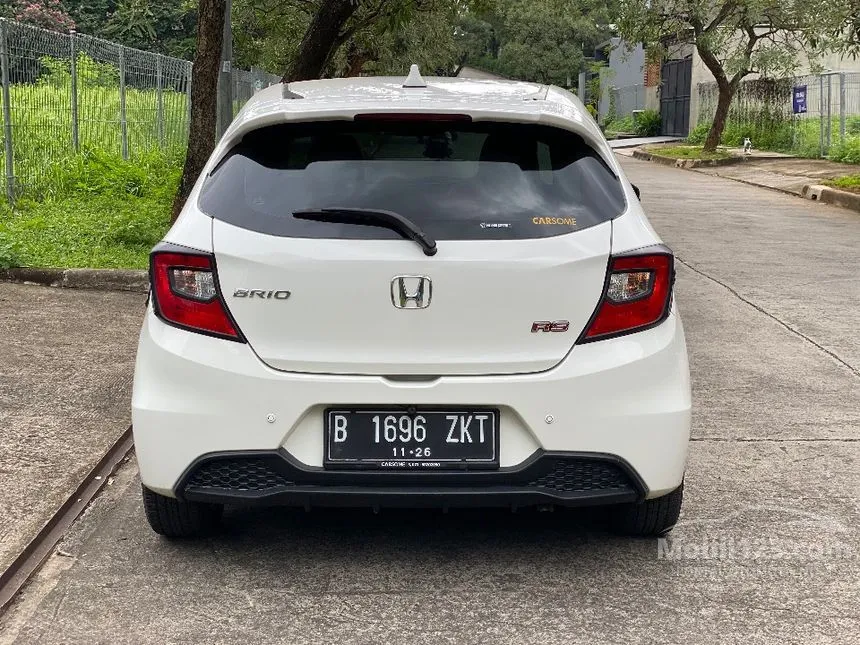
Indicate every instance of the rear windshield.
{"type": "Point", "coordinates": [455, 180]}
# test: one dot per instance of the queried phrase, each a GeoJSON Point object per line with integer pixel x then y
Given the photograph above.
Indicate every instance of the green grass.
{"type": "Point", "coordinates": [624, 125]}
{"type": "Point", "coordinates": [851, 183]}
{"type": "Point", "coordinates": [104, 213]}
{"type": "Point", "coordinates": [687, 152]}
{"type": "Point", "coordinates": [780, 133]}
{"type": "Point", "coordinates": [41, 111]}
{"type": "Point", "coordinates": [89, 208]}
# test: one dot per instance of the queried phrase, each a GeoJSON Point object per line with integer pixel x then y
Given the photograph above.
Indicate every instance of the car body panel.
{"type": "Point", "coordinates": [341, 318]}
{"type": "Point", "coordinates": [627, 397]}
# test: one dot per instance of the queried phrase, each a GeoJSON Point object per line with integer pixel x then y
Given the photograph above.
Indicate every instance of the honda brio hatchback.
{"type": "Point", "coordinates": [388, 292]}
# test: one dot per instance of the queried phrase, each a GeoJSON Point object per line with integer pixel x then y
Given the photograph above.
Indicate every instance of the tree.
{"type": "Point", "coordinates": [48, 14]}
{"type": "Point", "coordinates": [324, 35]}
{"type": "Point", "coordinates": [319, 38]}
{"type": "Point", "coordinates": [839, 27]}
{"type": "Point", "coordinates": [542, 41]}
{"type": "Point", "coordinates": [372, 30]}
{"type": "Point", "coordinates": [204, 89]}
{"type": "Point", "coordinates": [734, 39]}
{"type": "Point", "coordinates": [424, 36]}
{"type": "Point", "coordinates": [163, 26]}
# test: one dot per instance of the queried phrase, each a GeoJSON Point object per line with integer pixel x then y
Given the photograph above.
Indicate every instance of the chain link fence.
{"type": "Point", "coordinates": [247, 83]}
{"type": "Point", "coordinates": [806, 115]}
{"type": "Point", "coordinates": [63, 94]}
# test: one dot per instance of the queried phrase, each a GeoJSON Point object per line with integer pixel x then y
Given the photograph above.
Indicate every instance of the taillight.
{"type": "Point", "coordinates": [637, 295]}
{"type": "Point", "coordinates": [411, 116]}
{"type": "Point", "coordinates": [185, 293]}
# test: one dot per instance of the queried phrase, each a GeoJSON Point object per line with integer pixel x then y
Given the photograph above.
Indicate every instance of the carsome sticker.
{"type": "Point", "coordinates": [554, 221]}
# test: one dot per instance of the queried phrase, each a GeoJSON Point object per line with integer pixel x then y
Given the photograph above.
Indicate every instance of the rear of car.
{"type": "Point", "coordinates": [449, 299]}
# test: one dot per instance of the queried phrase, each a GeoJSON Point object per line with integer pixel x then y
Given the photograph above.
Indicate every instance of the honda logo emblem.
{"type": "Point", "coordinates": [411, 291]}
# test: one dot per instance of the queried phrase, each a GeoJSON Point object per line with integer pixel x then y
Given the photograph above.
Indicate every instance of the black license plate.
{"type": "Point", "coordinates": [413, 439]}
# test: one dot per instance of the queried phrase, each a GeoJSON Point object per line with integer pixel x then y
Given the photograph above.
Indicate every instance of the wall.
{"type": "Point", "coordinates": [626, 67]}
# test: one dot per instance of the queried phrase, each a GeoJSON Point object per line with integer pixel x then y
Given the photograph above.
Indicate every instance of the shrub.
{"type": "Point", "coordinates": [624, 125]}
{"type": "Point", "coordinates": [847, 151]}
{"type": "Point", "coordinates": [698, 134]}
{"type": "Point", "coordinates": [648, 123]}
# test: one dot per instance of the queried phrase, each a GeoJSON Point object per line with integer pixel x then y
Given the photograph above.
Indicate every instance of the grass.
{"type": "Point", "coordinates": [89, 208]}
{"type": "Point", "coordinates": [624, 125]}
{"type": "Point", "coordinates": [647, 125]}
{"type": "Point", "coordinates": [42, 126]}
{"type": "Point", "coordinates": [850, 183]}
{"type": "Point", "coordinates": [105, 213]}
{"type": "Point", "coordinates": [687, 152]}
{"type": "Point", "coordinates": [780, 133]}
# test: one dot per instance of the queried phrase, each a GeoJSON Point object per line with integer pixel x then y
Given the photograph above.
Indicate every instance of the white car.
{"type": "Point", "coordinates": [408, 292]}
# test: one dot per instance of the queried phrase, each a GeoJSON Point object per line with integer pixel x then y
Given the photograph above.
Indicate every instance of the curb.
{"type": "Point", "coordinates": [776, 189]}
{"type": "Point", "coordinates": [814, 192]}
{"type": "Point", "coordinates": [834, 196]}
{"type": "Point", "coordinates": [101, 279]}
{"type": "Point", "coordinates": [685, 163]}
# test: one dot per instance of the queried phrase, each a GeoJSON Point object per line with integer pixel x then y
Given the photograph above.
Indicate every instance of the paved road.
{"type": "Point", "coordinates": [768, 549]}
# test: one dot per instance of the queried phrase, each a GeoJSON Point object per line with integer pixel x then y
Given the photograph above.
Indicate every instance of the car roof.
{"type": "Point", "coordinates": [371, 91]}
{"type": "Point", "coordinates": [482, 99]}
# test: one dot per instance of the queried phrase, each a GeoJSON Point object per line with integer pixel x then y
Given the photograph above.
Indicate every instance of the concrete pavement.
{"type": "Point", "coordinates": [66, 359]}
{"type": "Point", "coordinates": [772, 170]}
{"type": "Point", "coordinates": [767, 550]}
{"type": "Point", "coordinates": [635, 142]}
{"type": "Point", "coordinates": [787, 175]}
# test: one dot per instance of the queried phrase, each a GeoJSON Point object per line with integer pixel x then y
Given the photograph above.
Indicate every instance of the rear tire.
{"type": "Point", "coordinates": [175, 519]}
{"type": "Point", "coordinates": [651, 518]}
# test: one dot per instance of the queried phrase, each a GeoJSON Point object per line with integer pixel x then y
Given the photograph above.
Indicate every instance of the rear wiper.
{"type": "Point", "coordinates": [372, 217]}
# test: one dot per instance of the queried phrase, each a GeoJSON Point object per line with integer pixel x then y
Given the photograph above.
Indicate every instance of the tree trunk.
{"type": "Point", "coordinates": [356, 59]}
{"type": "Point", "coordinates": [724, 102]}
{"type": "Point", "coordinates": [204, 92]}
{"type": "Point", "coordinates": [320, 39]}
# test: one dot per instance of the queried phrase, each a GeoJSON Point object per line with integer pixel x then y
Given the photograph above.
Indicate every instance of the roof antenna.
{"type": "Point", "coordinates": [414, 79]}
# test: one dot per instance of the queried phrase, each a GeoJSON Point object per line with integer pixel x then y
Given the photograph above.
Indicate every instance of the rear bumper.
{"type": "Point", "coordinates": [274, 478]}
{"type": "Point", "coordinates": [196, 396]}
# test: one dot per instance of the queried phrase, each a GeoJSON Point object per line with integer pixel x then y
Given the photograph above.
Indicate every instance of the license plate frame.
{"type": "Point", "coordinates": [370, 459]}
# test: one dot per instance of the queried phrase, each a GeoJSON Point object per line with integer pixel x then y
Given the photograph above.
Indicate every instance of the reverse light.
{"type": "Point", "coordinates": [637, 295]}
{"type": "Point", "coordinates": [185, 293]}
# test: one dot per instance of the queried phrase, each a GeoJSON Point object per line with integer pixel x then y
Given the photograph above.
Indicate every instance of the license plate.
{"type": "Point", "coordinates": [412, 439]}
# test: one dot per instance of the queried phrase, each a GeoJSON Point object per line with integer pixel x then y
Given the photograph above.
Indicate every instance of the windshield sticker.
{"type": "Point", "coordinates": [554, 221]}
{"type": "Point", "coordinates": [495, 225]}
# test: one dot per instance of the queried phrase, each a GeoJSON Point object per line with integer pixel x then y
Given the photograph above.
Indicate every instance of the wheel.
{"type": "Point", "coordinates": [650, 518]}
{"type": "Point", "coordinates": [174, 519]}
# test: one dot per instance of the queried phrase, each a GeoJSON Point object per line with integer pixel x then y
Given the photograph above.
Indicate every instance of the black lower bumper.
{"type": "Point", "coordinates": [274, 478]}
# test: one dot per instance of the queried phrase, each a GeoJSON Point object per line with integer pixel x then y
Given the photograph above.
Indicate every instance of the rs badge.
{"type": "Point", "coordinates": [550, 326]}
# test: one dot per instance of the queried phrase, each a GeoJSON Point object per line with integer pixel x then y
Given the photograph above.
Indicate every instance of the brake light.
{"type": "Point", "coordinates": [185, 294]}
{"type": "Point", "coordinates": [637, 295]}
{"type": "Point", "coordinates": [411, 116]}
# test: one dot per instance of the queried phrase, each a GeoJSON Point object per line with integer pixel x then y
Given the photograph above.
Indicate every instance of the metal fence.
{"type": "Point", "coordinates": [626, 100]}
{"type": "Point", "coordinates": [63, 94]}
{"type": "Point", "coordinates": [804, 115]}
